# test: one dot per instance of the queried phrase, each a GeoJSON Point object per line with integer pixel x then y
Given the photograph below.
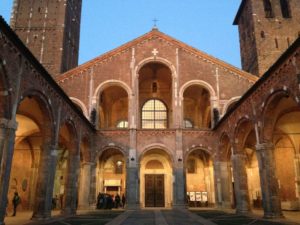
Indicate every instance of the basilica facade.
{"type": "Point", "coordinates": [155, 119]}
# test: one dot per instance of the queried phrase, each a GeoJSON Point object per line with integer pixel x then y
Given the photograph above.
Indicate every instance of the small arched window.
{"type": "Point", "coordinates": [268, 9]}
{"type": "Point", "coordinates": [285, 9]}
{"type": "Point", "coordinates": [122, 124]}
{"type": "Point", "coordinates": [154, 115]}
{"type": "Point", "coordinates": [188, 123]}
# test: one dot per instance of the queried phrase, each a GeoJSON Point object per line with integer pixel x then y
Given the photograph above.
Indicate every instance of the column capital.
{"type": "Point", "coordinates": [8, 124]}
{"type": "Point", "coordinates": [264, 146]}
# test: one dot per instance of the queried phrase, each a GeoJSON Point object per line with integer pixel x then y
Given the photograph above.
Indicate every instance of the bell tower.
{"type": "Point", "coordinates": [51, 30]}
{"type": "Point", "coordinates": [266, 28]}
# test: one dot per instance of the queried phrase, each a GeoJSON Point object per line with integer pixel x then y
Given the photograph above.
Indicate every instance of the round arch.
{"type": "Point", "coordinates": [159, 146]}
{"type": "Point", "coordinates": [161, 60]}
{"type": "Point", "coordinates": [81, 105]}
{"type": "Point", "coordinates": [229, 103]}
{"type": "Point", "coordinates": [199, 83]}
{"type": "Point", "coordinates": [268, 117]}
{"type": "Point", "coordinates": [107, 84]}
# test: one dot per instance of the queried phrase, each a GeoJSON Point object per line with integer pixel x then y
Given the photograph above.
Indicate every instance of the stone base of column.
{"type": "Point", "coordinates": [224, 205]}
{"type": "Point", "coordinates": [132, 206]}
{"type": "Point", "coordinates": [41, 217]}
{"type": "Point", "coordinates": [180, 206]}
{"type": "Point", "coordinates": [68, 212]}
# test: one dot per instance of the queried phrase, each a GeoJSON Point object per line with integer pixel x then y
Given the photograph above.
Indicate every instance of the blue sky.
{"type": "Point", "coordinates": [203, 24]}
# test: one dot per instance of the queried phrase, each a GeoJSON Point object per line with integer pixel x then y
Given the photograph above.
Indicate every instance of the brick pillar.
{"type": "Point", "coordinates": [268, 180]}
{"type": "Point", "coordinates": [45, 182]}
{"type": "Point", "coordinates": [132, 175]}
{"type": "Point", "coordinates": [179, 193]}
{"type": "Point", "coordinates": [85, 186]}
{"type": "Point", "coordinates": [240, 183]}
{"type": "Point", "coordinates": [7, 141]}
{"type": "Point", "coordinates": [71, 191]}
{"type": "Point", "coordinates": [179, 182]}
{"type": "Point", "coordinates": [223, 184]}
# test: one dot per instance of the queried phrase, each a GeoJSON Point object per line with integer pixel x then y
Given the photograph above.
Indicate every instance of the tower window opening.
{"type": "Point", "coordinates": [276, 43]}
{"type": "Point", "coordinates": [154, 87]}
{"type": "Point", "coordinates": [268, 9]}
{"type": "Point", "coordinates": [285, 9]}
{"type": "Point", "coordinates": [262, 34]}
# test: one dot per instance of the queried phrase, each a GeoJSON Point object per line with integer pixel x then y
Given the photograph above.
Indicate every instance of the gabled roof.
{"type": "Point", "coordinates": [156, 33]}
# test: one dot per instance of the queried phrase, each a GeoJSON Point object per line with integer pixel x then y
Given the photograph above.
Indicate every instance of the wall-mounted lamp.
{"type": "Point", "coordinates": [132, 159]}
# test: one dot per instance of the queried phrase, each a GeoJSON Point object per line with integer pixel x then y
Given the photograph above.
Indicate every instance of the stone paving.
{"type": "Point", "coordinates": [156, 217]}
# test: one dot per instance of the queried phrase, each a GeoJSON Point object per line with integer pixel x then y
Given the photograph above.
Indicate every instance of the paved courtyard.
{"type": "Point", "coordinates": [158, 217]}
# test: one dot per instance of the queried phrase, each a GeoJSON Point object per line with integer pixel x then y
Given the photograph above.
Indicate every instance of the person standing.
{"type": "Point", "coordinates": [16, 201]}
{"type": "Point", "coordinates": [123, 200]}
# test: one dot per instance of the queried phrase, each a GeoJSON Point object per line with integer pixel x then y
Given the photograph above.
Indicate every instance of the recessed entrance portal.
{"type": "Point", "coordinates": [156, 176]}
{"type": "Point", "coordinates": [154, 190]}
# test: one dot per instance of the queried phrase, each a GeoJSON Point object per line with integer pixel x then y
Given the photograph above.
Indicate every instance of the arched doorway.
{"type": "Point", "coordinates": [111, 175]}
{"type": "Point", "coordinates": [113, 108]}
{"type": "Point", "coordinates": [196, 107]}
{"type": "Point", "coordinates": [34, 132]}
{"type": "Point", "coordinates": [156, 187]}
{"type": "Point", "coordinates": [155, 92]}
{"type": "Point", "coordinates": [199, 179]}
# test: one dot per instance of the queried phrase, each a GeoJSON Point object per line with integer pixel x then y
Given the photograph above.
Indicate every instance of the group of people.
{"type": "Point", "coordinates": [107, 201]}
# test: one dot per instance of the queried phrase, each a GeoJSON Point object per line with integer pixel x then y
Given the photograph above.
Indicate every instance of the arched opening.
{"type": "Point", "coordinates": [225, 183]}
{"type": "Point", "coordinates": [111, 175]}
{"type": "Point", "coordinates": [196, 106]}
{"type": "Point", "coordinates": [155, 85]}
{"type": "Point", "coordinates": [199, 179]}
{"type": "Point", "coordinates": [285, 9]}
{"type": "Point", "coordinates": [286, 139]}
{"type": "Point", "coordinates": [246, 138]}
{"type": "Point", "coordinates": [156, 179]}
{"type": "Point", "coordinates": [282, 129]}
{"type": "Point", "coordinates": [113, 107]}
{"type": "Point", "coordinates": [252, 169]}
{"type": "Point", "coordinates": [66, 166]}
{"type": "Point", "coordinates": [34, 131]}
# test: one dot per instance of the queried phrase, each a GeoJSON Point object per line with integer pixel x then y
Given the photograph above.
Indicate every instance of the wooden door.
{"type": "Point", "coordinates": [154, 190]}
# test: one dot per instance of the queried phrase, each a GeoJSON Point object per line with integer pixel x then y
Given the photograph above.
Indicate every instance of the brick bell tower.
{"type": "Point", "coordinates": [267, 28]}
{"type": "Point", "coordinates": [51, 30]}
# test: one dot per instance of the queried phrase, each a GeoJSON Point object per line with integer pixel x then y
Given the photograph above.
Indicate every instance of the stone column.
{"type": "Point", "coordinates": [223, 184]}
{"type": "Point", "coordinates": [71, 190]}
{"type": "Point", "coordinates": [85, 186]}
{"type": "Point", "coordinates": [92, 195]}
{"type": "Point", "coordinates": [45, 182]}
{"type": "Point", "coordinates": [268, 180]}
{"type": "Point", "coordinates": [7, 141]}
{"type": "Point", "coordinates": [240, 183]}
